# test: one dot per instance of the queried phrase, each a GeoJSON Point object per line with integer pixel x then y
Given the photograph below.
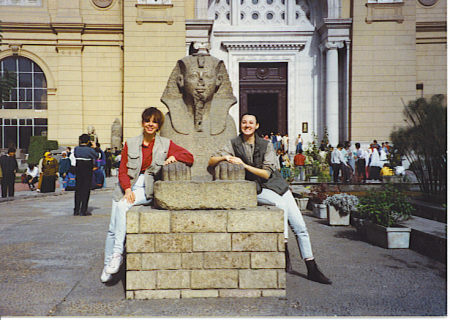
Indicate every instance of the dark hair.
{"type": "Point", "coordinates": [358, 145]}
{"type": "Point", "coordinates": [157, 115]}
{"type": "Point", "coordinates": [84, 138]}
{"type": "Point", "coordinates": [31, 166]}
{"type": "Point", "coordinates": [98, 145]}
{"type": "Point", "coordinates": [249, 114]}
{"type": "Point", "coordinates": [339, 145]}
{"type": "Point", "coordinates": [11, 149]}
{"type": "Point", "coordinates": [69, 148]}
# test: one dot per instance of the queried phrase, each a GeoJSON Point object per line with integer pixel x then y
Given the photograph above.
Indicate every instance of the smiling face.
{"type": "Point", "coordinates": [150, 126]}
{"type": "Point", "coordinates": [249, 125]}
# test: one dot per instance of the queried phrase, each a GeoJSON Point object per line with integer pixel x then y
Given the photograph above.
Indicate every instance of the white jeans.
{"type": "Point", "coordinates": [118, 224]}
{"type": "Point", "coordinates": [292, 213]}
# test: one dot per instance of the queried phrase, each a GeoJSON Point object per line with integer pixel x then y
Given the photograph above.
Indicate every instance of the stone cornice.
{"type": "Point", "coordinates": [431, 26]}
{"type": "Point", "coordinates": [263, 45]}
{"type": "Point", "coordinates": [60, 27]}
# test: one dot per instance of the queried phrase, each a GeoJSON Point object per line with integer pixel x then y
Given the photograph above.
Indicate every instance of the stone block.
{"type": "Point", "coordinates": [258, 279]}
{"type": "Point", "coordinates": [192, 260]}
{"type": "Point", "coordinates": [226, 260]}
{"type": "Point", "coordinates": [199, 221]}
{"type": "Point", "coordinates": [134, 261]}
{"type": "Point", "coordinates": [238, 293]}
{"type": "Point", "coordinates": [130, 295]}
{"type": "Point", "coordinates": [281, 279]}
{"type": "Point", "coordinates": [254, 242]}
{"type": "Point", "coordinates": [189, 195]}
{"type": "Point", "coordinates": [199, 293]}
{"type": "Point", "coordinates": [214, 279]}
{"type": "Point", "coordinates": [173, 243]}
{"type": "Point", "coordinates": [261, 219]}
{"type": "Point", "coordinates": [132, 220]}
{"type": "Point", "coordinates": [268, 260]}
{"type": "Point", "coordinates": [154, 261]}
{"type": "Point", "coordinates": [172, 279]}
{"type": "Point", "coordinates": [274, 293]}
{"type": "Point", "coordinates": [157, 294]}
{"type": "Point", "coordinates": [281, 245]}
{"type": "Point", "coordinates": [140, 243]}
{"type": "Point", "coordinates": [154, 221]}
{"type": "Point", "coordinates": [141, 280]}
{"type": "Point", "coordinates": [211, 242]}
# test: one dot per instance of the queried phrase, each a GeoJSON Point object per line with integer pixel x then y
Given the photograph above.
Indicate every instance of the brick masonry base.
{"type": "Point", "coordinates": [205, 253]}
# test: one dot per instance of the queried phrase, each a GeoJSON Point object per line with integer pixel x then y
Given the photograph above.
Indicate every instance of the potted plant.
{"type": "Point", "coordinates": [302, 200]}
{"type": "Point", "coordinates": [318, 195]}
{"type": "Point", "coordinates": [385, 209]}
{"type": "Point", "coordinates": [339, 207]}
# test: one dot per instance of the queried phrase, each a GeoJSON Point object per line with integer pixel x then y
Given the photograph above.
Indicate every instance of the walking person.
{"type": "Point", "coordinates": [9, 167]}
{"type": "Point", "coordinates": [260, 163]}
{"type": "Point", "coordinates": [142, 159]}
{"type": "Point", "coordinates": [85, 156]}
{"type": "Point", "coordinates": [32, 176]}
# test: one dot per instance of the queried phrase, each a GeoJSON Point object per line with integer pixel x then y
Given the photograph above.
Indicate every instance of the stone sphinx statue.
{"type": "Point", "coordinates": [199, 95]}
{"type": "Point", "coordinates": [116, 134]}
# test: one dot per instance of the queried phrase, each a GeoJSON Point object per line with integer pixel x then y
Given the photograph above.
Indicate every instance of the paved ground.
{"type": "Point", "coordinates": [50, 264]}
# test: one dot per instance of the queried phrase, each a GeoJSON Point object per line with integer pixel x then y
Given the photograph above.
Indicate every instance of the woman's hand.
{"type": "Point", "coordinates": [170, 159]}
{"type": "Point", "coordinates": [129, 196]}
{"type": "Point", "coordinates": [233, 160]}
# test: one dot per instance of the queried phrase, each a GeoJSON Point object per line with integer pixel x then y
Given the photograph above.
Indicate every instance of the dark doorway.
{"type": "Point", "coordinates": [265, 107]}
{"type": "Point", "coordinates": [263, 92]}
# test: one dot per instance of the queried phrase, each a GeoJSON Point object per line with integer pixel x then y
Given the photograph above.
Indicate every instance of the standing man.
{"type": "Point", "coordinates": [9, 167]}
{"type": "Point", "coordinates": [85, 157]}
{"type": "Point", "coordinates": [64, 167]}
{"type": "Point", "coordinates": [299, 161]}
{"type": "Point", "coordinates": [337, 162]}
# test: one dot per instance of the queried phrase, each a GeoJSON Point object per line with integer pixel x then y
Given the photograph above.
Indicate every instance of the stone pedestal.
{"type": "Point", "coordinates": [221, 194]}
{"type": "Point", "coordinates": [205, 253]}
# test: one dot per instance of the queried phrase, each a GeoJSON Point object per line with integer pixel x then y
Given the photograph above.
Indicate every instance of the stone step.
{"type": "Point", "coordinates": [429, 211]}
{"type": "Point", "coordinates": [428, 237]}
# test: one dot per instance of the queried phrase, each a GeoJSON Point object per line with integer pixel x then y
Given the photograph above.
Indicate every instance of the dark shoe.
{"type": "Point", "coordinates": [314, 274]}
{"type": "Point", "coordinates": [76, 213]}
{"type": "Point", "coordinates": [86, 214]}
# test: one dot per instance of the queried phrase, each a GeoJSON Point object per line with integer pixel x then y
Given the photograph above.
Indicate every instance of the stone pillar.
{"type": "Point", "coordinates": [332, 92]}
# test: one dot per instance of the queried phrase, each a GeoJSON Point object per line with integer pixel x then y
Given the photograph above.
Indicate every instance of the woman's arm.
{"type": "Point", "coordinates": [177, 153]}
{"type": "Point", "coordinates": [235, 160]}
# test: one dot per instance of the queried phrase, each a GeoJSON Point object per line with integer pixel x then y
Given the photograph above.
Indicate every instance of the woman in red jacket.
{"type": "Point", "coordinates": [142, 159]}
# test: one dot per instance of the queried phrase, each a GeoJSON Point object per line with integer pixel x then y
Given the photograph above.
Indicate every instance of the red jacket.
{"type": "Point", "coordinates": [299, 159]}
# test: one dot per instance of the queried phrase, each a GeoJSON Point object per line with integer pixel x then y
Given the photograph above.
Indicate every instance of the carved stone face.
{"type": "Point", "coordinates": [200, 83]}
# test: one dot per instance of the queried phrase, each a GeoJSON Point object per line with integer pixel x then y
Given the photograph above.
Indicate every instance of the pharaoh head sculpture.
{"type": "Point", "coordinates": [199, 88]}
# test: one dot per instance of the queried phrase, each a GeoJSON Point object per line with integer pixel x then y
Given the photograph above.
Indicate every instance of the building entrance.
{"type": "Point", "coordinates": [263, 92]}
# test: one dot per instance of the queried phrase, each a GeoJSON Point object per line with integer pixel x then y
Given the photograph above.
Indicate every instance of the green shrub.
{"type": "Point", "coordinates": [39, 145]}
{"type": "Point", "coordinates": [385, 207]}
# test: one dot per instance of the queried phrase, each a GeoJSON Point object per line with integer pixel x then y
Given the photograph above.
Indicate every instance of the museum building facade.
{"type": "Point", "coordinates": [303, 66]}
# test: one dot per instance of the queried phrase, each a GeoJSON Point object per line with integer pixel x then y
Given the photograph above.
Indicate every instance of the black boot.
{"type": "Point", "coordinates": [288, 260]}
{"type": "Point", "coordinates": [314, 274]}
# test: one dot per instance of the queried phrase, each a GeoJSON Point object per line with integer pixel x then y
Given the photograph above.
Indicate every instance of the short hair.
{"type": "Point", "coordinates": [84, 138]}
{"type": "Point", "coordinates": [157, 115]}
{"type": "Point", "coordinates": [11, 150]}
{"type": "Point", "coordinates": [249, 114]}
{"type": "Point", "coordinates": [339, 145]}
{"type": "Point", "coordinates": [98, 145]}
{"type": "Point", "coordinates": [69, 148]}
{"type": "Point", "coordinates": [358, 145]}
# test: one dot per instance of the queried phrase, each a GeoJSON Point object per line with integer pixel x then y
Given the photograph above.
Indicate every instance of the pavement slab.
{"type": "Point", "coordinates": [53, 260]}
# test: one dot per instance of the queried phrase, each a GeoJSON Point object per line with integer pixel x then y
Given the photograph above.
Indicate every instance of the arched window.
{"type": "Point", "coordinates": [30, 91]}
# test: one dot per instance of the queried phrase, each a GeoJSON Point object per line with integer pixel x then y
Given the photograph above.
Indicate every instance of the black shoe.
{"type": "Point", "coordinates": [76, 213]}
{"type": "Point", "coordinates": [314, 274]}
{"type": "Point", "coordinates": [86, 214]}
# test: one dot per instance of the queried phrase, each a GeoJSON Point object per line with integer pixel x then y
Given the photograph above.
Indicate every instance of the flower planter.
{"type": "Point", "coordinates": [335, 218]}
{"type": "Point", "coordinates": [314, 179]}
{"type": "Point", "coordinates": [388, 237]}
{"type": "Point", "coordinates": [320, 211]}
{"type": "Point", "coordinates": [302, 203]}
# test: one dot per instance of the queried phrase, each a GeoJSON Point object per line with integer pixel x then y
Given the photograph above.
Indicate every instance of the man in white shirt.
{"type": "Point", "coordinates": [337, 161]}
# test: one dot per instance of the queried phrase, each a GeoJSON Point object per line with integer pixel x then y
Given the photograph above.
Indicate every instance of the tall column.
{"type": "Point", "coordinates": [332, 91]}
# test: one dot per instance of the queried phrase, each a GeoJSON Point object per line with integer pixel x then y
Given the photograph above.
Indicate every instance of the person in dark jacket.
{"type": "Point", "coordinates": [261, 165]}
{"type": "Point", "coordinates": [9, 167]}
{"type": "Point", "coordinates": [85, 157]}
{"type": "Point", "coordinates": [64, 167]}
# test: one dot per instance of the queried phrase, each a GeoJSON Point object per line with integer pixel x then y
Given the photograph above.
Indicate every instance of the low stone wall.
{"type": "Point", "coordinates": [205, 253]}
